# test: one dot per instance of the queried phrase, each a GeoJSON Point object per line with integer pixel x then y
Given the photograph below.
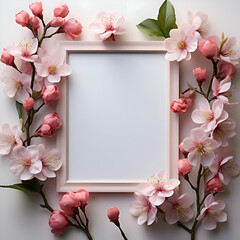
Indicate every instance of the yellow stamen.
{"type": "Point", "coordinates": [181, 45]}
{"type": "Point", "coordinates": [52, 69]}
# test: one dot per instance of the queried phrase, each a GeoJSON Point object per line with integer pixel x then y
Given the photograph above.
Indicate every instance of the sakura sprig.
{"type": "Point", "coordinates": [30, 77]}
{"type": "Point", "coordinates": [205, 149]}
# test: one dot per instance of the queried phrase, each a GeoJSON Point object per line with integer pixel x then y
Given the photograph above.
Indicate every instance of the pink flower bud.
{"type": "Point", "coordinates": [69, 204]}
{"type": "Point", "coordinates": [82, 196]}
{"type": "Point", "coordinates": [184, 167]}
{"type": "Point", "coordinates": [7, 58]}
{"type": "Point", "coordinates": [49, 94]}
{"type": "Point", "coordinates": [178, 106]}
{"type": "Point", "coordinates": [34, 23]}
{"type": "Point", "coordinates": [72, 28]}
{"type": "Point", "coordinates": [61, 10]}
{"type": "Point", "coordinates": [188, 101]}
{"type": "Point", "coordinates": [57, 22]}
{"type": "Point", "coordinates": [185, 153]}
{"type": "Point", "coordinates": [22, 18]}
{"type": "Point", "coordinates": [45, 130]}
{"type": "Point", "coordinates": [58, 222]}
{"type": "Point", "coordinates": [208, 48]}
{"type": "Point", "coordinates": [215, 185]}
{"type": "Point", "coordinates": [28, 103]}
{"type": "Point", "coordinates": [36, 9]}
{"type": "Point", "coordinates": [226, 69]}
{"type": "Point", "coordinates": [200, 74]}
{"type": "Point", "coordinates": [113, 215]}
{"type": "Point", "coordinates": [53, 120]}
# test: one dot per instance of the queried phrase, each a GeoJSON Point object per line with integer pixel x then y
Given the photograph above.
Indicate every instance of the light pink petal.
{"type": "Point", "coordinates": [186, 214]}
{"type": "Point", "coordinates": [217, 108]}
{"type": "Point", "coordinates": [6, 143]}
{"type": "Point", "coordinates": [10, 91]}
{"type": "Point", "coordinates": [171, 216]}
{"type": "Point", "coordinates": [64, 70]}
{"type": "Point", "coordinates": [163, 194]}
{"type": "Point", "coordinates": [97, 27]}
{"type": "Point", "coordinates": [188, 57]}
{"type": "Point", "coordinates": [156, 200]}
{"type": "Point", "coordinates": [48, 172]}
{"type": "Point", "coordinates": [36, 167]}
{"type": "Point", "coordinates": [198, 134]}
{"type": "Point", "coordinates": [221, 217]}
{"type": "Point", "coordinates": [172, 56]}
{"type": "Point", "coordinates": [225, 87]}
{"type": "Point", "coordinates": [215, 87]}
{"type": "Point", "coordinates": [41, 69]}
{"type": "Point", "coordinates": [152, 215]}
{"type": "Point", "coordinates": [40, 176]}
{"type": "Point", "coordinates": [183, 54]}
{"type": "Point", "coordinates": [19, 152]}
{"type": "Point", "coordinates": [194, 158]}
{"type": "Point", "coordinates": [199, 116]}
{"type": "Point", "coordinates": [185, 200]}
{"type": "Point", "coordinates": [167, 206]}
{"type": "Point", "coordinates": [16, 167]}
{"type": "Point", "coordinates": [204, 105]}
{"type": "Point", "coordinates": [120, 31]}
{"type": "Point", "coordinates": [170, 44]}
{"type": "Point", "coordinates": [142, 218]}
{"type": "Point", "coordinates": [26, 175]}
{"type": "Point", "coordinates": [21, 95]}
{"type": "Point", "coordinates": [188, 144]}
{"type": "Point", "coordinates": [117, 20]}
{"type": "Point", "coordinates": [106, 35]}
{"type": "Point", "coordinates": [172, 184]}
{"type": "Point", "coordinates": [209, 223]}
{"type": "Point", "coordinates": [54, 78]}
{"type": "Point", "coordinates": [177, 35]}
{"type": "Point", "coordinates": [209, 199]}
{"type": "Point", "coordinates": [208, 159]}
{"type": "Point", "coordinates": [146, 188]}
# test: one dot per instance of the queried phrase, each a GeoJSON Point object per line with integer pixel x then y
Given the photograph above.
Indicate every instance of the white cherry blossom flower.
{"type": "Point", "coordinates": [16, 84]}
{"type": "Point", "coordinates": [52, 67]}
{"type": "Point", "coordinates": [200, 147]}
{"type": "Point", "coordinates": [212, 213]}
{"type": "Point", "coordinates": [25, 50]}
{"type": "Point", "coordinates": [199, 22]}
{"type": "Point", "coordinates": [50, 162]}
{"type": "Point", "coordinates": [107, 25]}
{"type": "Point", "coordinates": [209, 117]}
{"type": "Point", "coordinates": [143, 209]}
{"type": "Point", "coordinates": [224, 167]}
{"type": "Point", "coordinates": [158, 187]}
{"type": "Point", "coordinates": [25, 162]}
{"type": "Point", "coordinates": [181, 43]}
{"type": "Point", "coordinates": [178, 208]}
{"type": "Point", "coordinates": [9, 138]}
{"type": "Point", "coordinates": [224, 131]}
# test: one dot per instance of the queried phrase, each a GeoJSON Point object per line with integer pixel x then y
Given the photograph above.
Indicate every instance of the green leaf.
{"type": "Point", "coordinates": [150, 27]}
{"type": "Point", "coordinates": [190, 86]}
{"type": "Point", "coordinates": [26, 186]}
{"type": "Point", "coordinates": [19, 107]}
{"type": "Point", "coordinates": [167, 18]}
{"type": "Point", "coordinates": [36, 95]}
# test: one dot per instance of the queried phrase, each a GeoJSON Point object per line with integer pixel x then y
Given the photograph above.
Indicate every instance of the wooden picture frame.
{"type": "Point", "coordinates": [116, 49]}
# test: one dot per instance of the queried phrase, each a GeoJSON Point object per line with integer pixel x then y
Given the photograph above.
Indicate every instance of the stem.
{"type": "Point", "coordinates": [43, 35]}
{"type": "Point", "coordinates": [123, 234]}
{"type": "Point", "coordinates": [28, 139]}
{"type": "Point", "coordinates": [213, 75]}
{"type": "Point", "coordinates": [33, 75]}
{"type": "Point", "coordinates": [46, 204]}
{"type": "Point", "coordinates": [194, 226]}
{"type": "Point", "coordinates": [49, 36]}
{"type": "Point", "coordinates": [184, 227]}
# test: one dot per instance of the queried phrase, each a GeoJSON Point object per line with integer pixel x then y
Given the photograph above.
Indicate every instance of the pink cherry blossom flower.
{"type": "Point", "coordinates": [72, 28]}
{"type": "Point", "coordinates": [184, 167]}
{"type": "Point", "coordinates": [50, 162]}
{"type": "Point", "coordinates": [143, 209]}
{"type": "Point", "coordinates": [226, 49]}
{"type": "Point", "coordinates": [178, 208]}
{"type": "Point", "coordinates": [16, 84]}
{"type": "Point", "coordinates": [199, 22]}
{"type": "Point", "coordinates": [25, 50]}
{"type": "Point", "coordinates": [212, 213]}
{"type": "Point", "coordinates": [200, 74]}
{"type": "Point", "coordinates": [25, 162]}
{"type": "Point", "coordinates": [221, 90]}
{"type": "Point", "coordinates": [9, 138]}
{"type": "Point", "coordinates": [224, 131]}
{"type": "Point", "coordinates": [107, 25]}
{"type": "Point", "coordinates": [158, 187]}
{"type": "Point", "coordinates": [209, 117]}
{"type": "Point", "coordinates": [181, 43]}
{"type": "Point", "coordinates": [208, 48]}
{"type": "Point", "coordinates": [200, 147]}
{"type": "Point", "coordinates": [52, 67]}
{"type": "Point", "coordinates": [224, 167]}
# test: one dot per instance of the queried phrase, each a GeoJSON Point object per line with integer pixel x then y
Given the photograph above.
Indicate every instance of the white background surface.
{"type": "Point", "coordinates": [20, 216]}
